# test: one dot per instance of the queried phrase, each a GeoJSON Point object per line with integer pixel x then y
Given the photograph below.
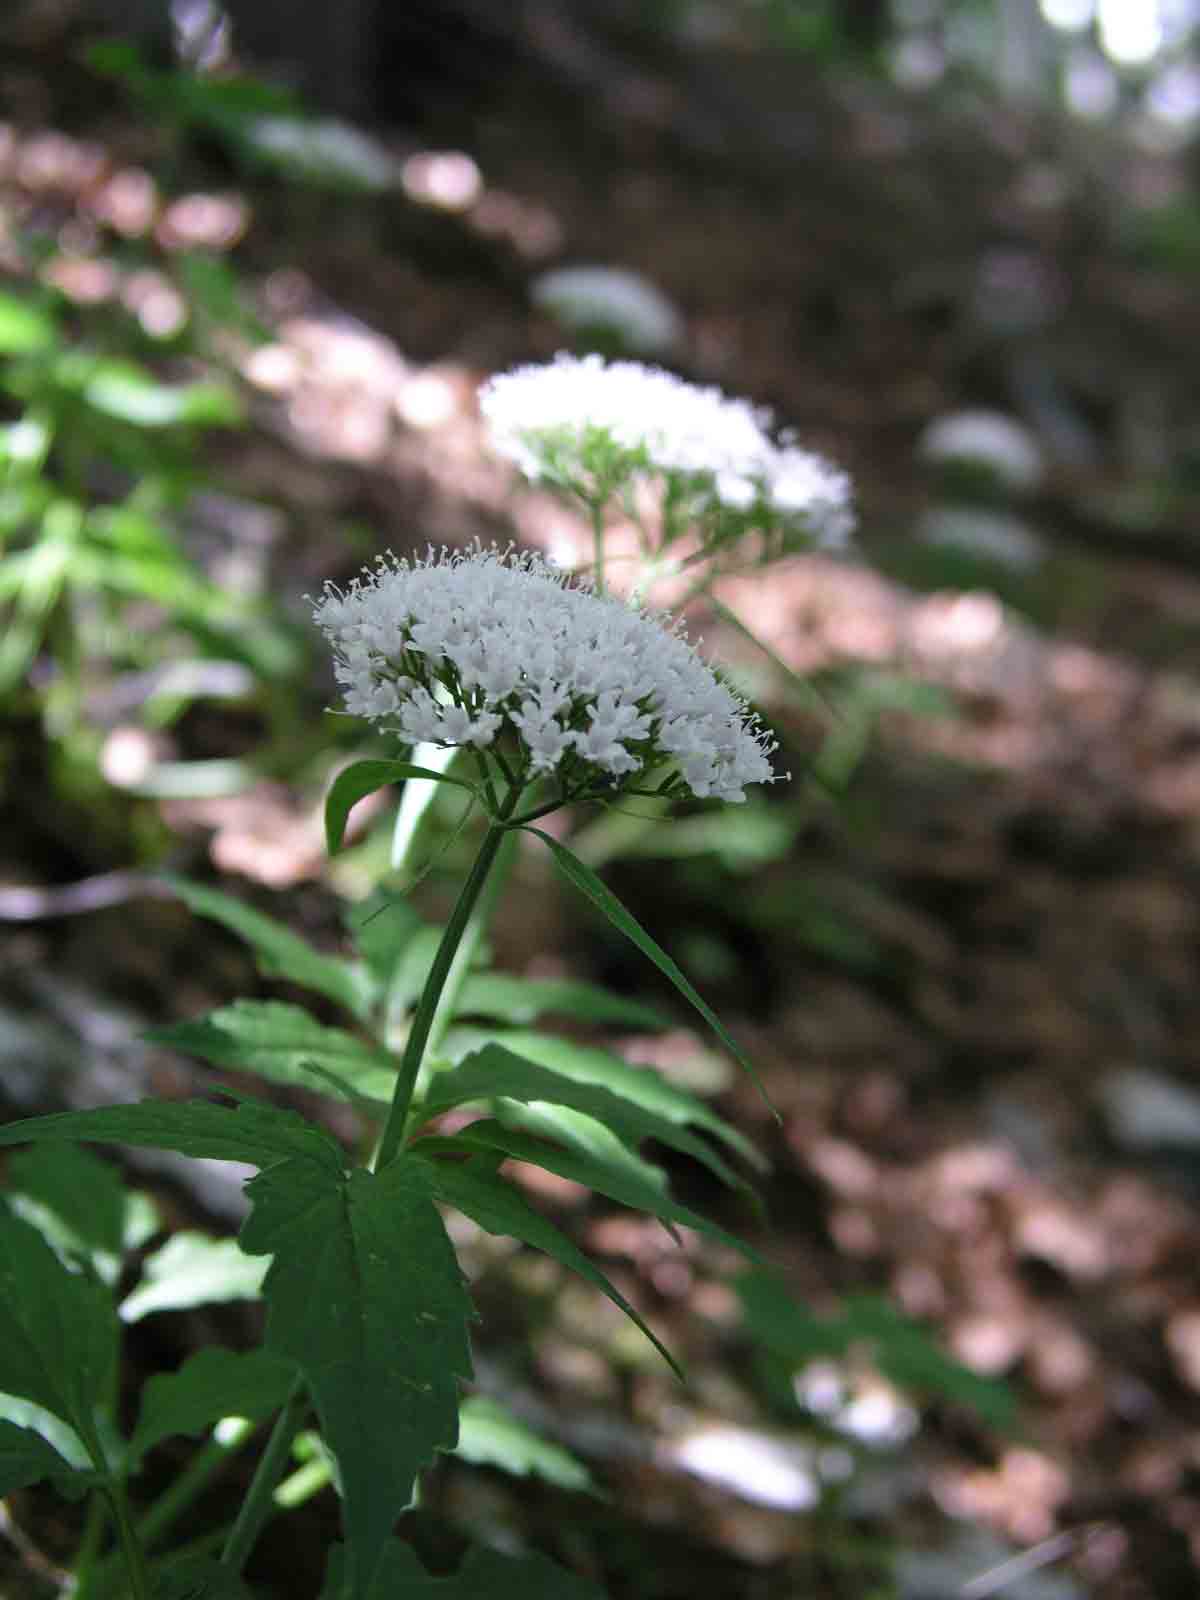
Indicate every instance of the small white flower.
{"type": "Point", "coordinates": [611, 298]}
{"type": "Point", "coordinates": [988, 439]}
{"type": "Point", "coordinates": [496, 651]}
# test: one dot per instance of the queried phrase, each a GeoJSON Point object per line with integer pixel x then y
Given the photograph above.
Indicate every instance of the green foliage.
{"type": "Point", "coordinates": [192, 1269]}
{"type": "Point", "coordinates": [484, 1575]}
{"type": "Point", "coordinates": [355, 782]}
{"type": "Point", "coordinates": [502, 998]}
{"type": "Point", "coordinates": [900, 1348]}
{"type": "Point", "coordinates": [362, 1275]}
{"type": "Point", "coordinates": [26, 1458]}
{"type": "Point", "coordinates": [490, 1436]}
{"type": "Point", "coordinates": [212, 1384]}
{"type": "Point", "coordinates": [84, 1193]}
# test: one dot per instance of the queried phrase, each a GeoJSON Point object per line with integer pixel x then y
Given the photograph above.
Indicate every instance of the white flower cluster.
{"type": "Point", "coordinates": [572, 413]}
{"type": "Point", "coordinates": [610, 297]}
{"type": "Point", "coordinates": [324, 150]}
{"type": "Point", "coordinates": [988, 439]}
{"type": "Point", "coordinates": [494, 650]}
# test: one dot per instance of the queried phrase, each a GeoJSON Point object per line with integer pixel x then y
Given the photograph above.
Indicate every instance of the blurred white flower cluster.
{"type": "Point", "coordinates": [494, 650]}
{"type": "Point", "coordinates": [324, 150]}
{"type": "Point", "coordinates": [988, 440]}
{"type": "Point", "coordinates": [612, 300]}
{"type": "Point", "coordinates": [591, 428]}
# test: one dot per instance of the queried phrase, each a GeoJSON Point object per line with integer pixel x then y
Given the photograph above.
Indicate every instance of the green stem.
{"type": "Point", "coordinates": [427, 1006]}
{"type": "Point", "coordinates": [260, 1501]}
{"type": "Point", "coordinates": [596, 508]}
{"type": "Point", "coordinates": [190, 1483]}
{"type": "Point", "coordinates": [131, 1547]}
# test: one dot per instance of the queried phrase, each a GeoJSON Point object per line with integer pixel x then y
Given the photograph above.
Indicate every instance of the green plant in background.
{"type": "Point", "coordinates": [97, 469]}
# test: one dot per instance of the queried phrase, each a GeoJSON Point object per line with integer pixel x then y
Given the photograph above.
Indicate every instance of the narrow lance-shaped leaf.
{"type": "Point", "coordinates": [506, 998]}
{"type": "Point", "coordinates": [619, 1186]}
{"type": "Point", "coordinates": [364, 778]}
{"type": "Point", "coordinates": [251, 1132]}
{"type": "Point", "coordinates": [477, 1190]}
{"type": "Point", "coordinates": [282, 1043]}
{"type": "Point", "coordinates": [595, 890]}
{"type": "Point", "coordinates": [280, 952]}
{"type": "Point", "coordinates": [366, 1296]}
{"type": "Point", "coordinates": [496, 1072]}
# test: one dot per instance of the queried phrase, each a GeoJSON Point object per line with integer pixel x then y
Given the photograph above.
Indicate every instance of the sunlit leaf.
{"type": "Point", "coordinates": [477, 1190]}
{"type": "Point", "coordinates": [366, 1296]}
{"type": "Point", "coordinates": [495, 1072]}
{"type": "Point", "coordinates": [283, 1043]}
{"type": "Point", "coordinates": [280, 952]}
{"type": "Point", "coordinates": [489, 1435]}
{"type": "Point", "coordinates": [504, 998]}
{"type": "Point", "coordinates": [592, 888]}
{"type": "Point", "coordinates": [211, 1384]}
{"type": "Point", "coordinates": [251, 1132]}
{"type": "Point", "coordinates": [24, 328]}
{"type": "Point", "coordinates": [86, 1193]}
{"type": "Point", "coordinates": [193, 1269]}
{"type": "Point", "coordinates": [355, 782]}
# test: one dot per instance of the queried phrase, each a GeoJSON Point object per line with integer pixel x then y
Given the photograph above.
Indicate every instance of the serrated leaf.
{"type": "Point", "coordinates": [282, 1043]}
{"type": "Point", "coordinates": [621, 1186]}
{"type": "Point", "coordinates": [477, 1190]}
{"type": "Point", "coordinates": [83, 1191]}
{"type": "Point", "coordinates": [192, 1269]}
{"type": "Point", "coordinates": [594, 889]}
{"type": "Point", "coordinates": [643, 1086]}
{"type": "Point", "coordinates": [362, 778]}
{"type": "Point", "coordinates": [366, 1296]}
{"type": "Point", "coordinates": [280, 952]}
{"type": "Point", "coordinates": [495, 1072]}
{"type": "Point", "coordinates": [490, 1436]}
{"type": "Point", "coordinates": [26, 1458]}
{"type": "Point", "coordinates": [58, 1330]}
{"type": "Point", "coordinates": [484, 1575]}
{"type": "Point", "coordinates": [212, 1384]}
{"type": "Point", "coordinates": [250, 1131]}
{"type": "Point", "coordinates": [505, 998]}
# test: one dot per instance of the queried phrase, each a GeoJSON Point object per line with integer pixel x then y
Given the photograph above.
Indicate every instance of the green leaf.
{"type": "Point", "coordinates": [26, 1458]}
{"type": "Point", "coordinates": [59, 1435]}
{"type": "Point", "coordinates": [477, 1190]}
{"type": "Point", "coordinates": [643, 1086]}
{"type": "Point", "coordinates": [366, 1296]}
{"type": "Point", "coordinates": [590, 886]}
{"type": "Point", "coordinates": [192, 1269]}
{"type": "Point", "coordinates": [517, 1000]}
{"type": "Point", "coordinates": [355, 782]}
{"type": "Point", "coordinates": [126, 392]}
{"type": "Point", "coordinates": [495, 1072]}
{"type": "Point", "coordinates": [251, 1132]}
{"type": "Point", "coordinates": [484, 1575]}
{"type": "Point", "coordinates": [212, 1384]}
{"type": "Point", "coordinates": [282, 1043]}
{"type": "Point", "coordinates": [381, 927]}
{"type": "Point", "coordinates": [280, 952]}
{"type": "Point", "coordinates": [199, 1578]}
{"type": "Point", "coordinates": [24, 328]}
{"type": "Point", "coordinates": [58, 1330]}
{"type": "Point", "coordinates": [621, 1186]}
{"type": "Point", "coordinates": [490, 1436]}
{"type": "Point", "coordinates": [901, 1349]}
{"type": "Point", "coordinates": [83, 1191]}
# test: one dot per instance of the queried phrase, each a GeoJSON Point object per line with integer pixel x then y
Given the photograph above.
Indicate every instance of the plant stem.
{"type": "Point", "coordinates": [464, 956]}
{"type": "Point", "coordinates": [169, 1507]}
{"type": "Point", "coordinates": [596, 507]}
{"type": "Point", "coordinates": [131, 1547]}
{"type": "Point", "coordinates": [259, 1501]}
{"type": "Point", "coordinates": [422, 1023]}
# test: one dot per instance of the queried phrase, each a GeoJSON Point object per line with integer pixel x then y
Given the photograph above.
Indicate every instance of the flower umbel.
{"type": "Point", "coordinates": [496, 651]}
{"type": "Point", "coordinates": [593, 427]}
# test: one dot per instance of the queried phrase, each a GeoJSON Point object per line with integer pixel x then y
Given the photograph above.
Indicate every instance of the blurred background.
{"type": "Point", "coordinates": [255, 261]}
